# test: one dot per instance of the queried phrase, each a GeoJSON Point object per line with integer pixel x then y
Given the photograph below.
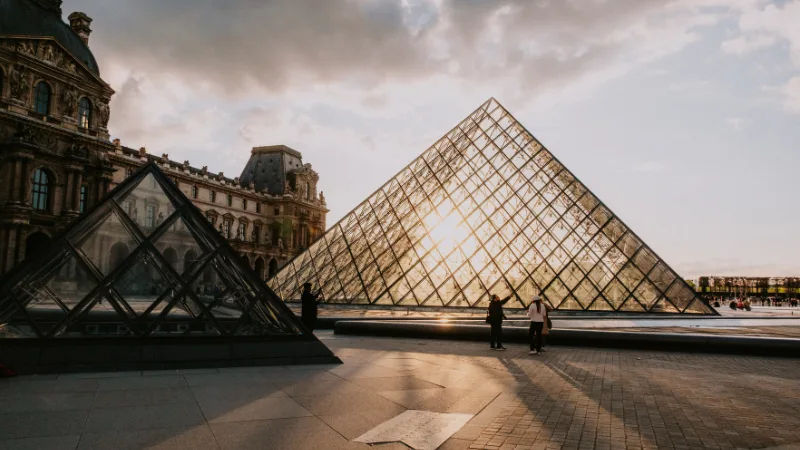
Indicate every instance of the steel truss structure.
{"type": "Point", "coordinates": [487, 209]}
{"type": "Point", "coordinates": [144, 263]}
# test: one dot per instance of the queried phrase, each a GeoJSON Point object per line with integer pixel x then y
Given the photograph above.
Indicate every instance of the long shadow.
{"type": "Point", "coordinates": [658, 413]}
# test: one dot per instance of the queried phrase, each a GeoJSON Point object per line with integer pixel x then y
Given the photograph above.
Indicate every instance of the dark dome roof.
{"type": "Point", "coordinates": [37, 19]}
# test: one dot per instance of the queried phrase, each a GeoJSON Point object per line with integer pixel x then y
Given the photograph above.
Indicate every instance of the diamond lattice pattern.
{"type": "Point", "coordinates": [143, 263]}
{"type": "Point", "coordinates": [487, 209]}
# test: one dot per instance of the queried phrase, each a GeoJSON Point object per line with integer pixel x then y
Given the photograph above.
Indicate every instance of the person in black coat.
{"type": "Point", "coordinates": [309, 308]}
{"type": "Point", "coordinates": [495, 318]}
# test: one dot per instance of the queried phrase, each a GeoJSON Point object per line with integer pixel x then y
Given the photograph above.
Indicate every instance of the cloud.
{"type": "Point", "coordinates": [237, 45]}
{"type": "Point", "coordinates": [651, 166]}
{"type": "Point", "coordinates": [748, 43]}
{"type": "Point", "coordinates": [791, 93]}
{"type": "Point", "coordinates": [736, 122]}
{"type": "Point", "coordinates": [762, 23]}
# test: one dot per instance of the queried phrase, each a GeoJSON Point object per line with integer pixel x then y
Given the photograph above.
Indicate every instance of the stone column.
{"type": "Point", "coordinates": [15, 172]}
{"type": "Point", "coordinates": [66, 198]}
{"type": "Point", "coordinates": [77, 180]}
{"type": "Point", "coordinates": [23, 179]}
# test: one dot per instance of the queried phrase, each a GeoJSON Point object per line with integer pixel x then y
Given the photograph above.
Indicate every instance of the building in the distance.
{"type": "Point", "coordinates": [56, 159]}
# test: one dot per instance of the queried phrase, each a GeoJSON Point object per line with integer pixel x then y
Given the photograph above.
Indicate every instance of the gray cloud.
{"type": "Point", "coordinates": [281, 43]}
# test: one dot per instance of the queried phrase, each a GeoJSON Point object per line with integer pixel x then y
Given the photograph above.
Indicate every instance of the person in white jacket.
{"type": "Point", "coordinates": [537, 314]}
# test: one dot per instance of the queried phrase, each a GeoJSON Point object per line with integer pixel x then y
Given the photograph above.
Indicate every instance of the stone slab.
{"type": "Point", "coordinates": [420, 430]}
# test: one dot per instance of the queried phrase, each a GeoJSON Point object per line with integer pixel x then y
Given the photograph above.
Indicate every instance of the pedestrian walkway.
{"type": "Point", "coordinates": [567, 398]}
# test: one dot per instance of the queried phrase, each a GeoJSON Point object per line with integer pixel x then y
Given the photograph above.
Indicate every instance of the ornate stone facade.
{"type": "Point", "coordinates": [56, 160]}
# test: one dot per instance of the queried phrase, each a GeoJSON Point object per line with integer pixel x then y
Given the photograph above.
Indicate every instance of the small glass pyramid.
{"type": "Point", "coordinates": [143, 263]}
{"type": "Point", "coordinates": [487, 207]}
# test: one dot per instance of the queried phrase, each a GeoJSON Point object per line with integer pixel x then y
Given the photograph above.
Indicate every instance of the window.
{"type": "Point", "coordinates": [194, 191]}
{"type": "Point", "coordinates": [277, 211]}
{"type": "Point", "coordinates": [226, 230]}
{"type": "Point", "coordinates": [41, 185]}
{"type": "Point", "coordinates": [256, 234]}
{"type": "Point", "coordinates": [308, 191]}
{"type": "Point", "coordinates": [127, 208]}
{"type": "Point", "coordinates": [230, 200]}
{"type": "Point", "coordinates": [244, 204]}
{"type": "Point", "coordinates": [82, 204]}
{"type": "Point", "coordinates": [240, 232]}
{"type": "Point", "coordinates": [213, 220]}
{"type": "Point", "coordinates": [42, 98]}
{"type": "Point", "coordinates": [213, 197]}
{"type": "Point", "coordinates": [84, 112]}
{"type": "Point", "coordinates": [258, 208]}
{"type": "Point", "coordinates": [150, 216]}
{"type": "Point", "coordinates": [128, 172]}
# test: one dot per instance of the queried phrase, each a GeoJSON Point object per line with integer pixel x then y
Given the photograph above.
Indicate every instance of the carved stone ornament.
{"type": "Point", "coordinates": [69, 100]}
{"type": "Point", "coordinates": [204, 170]}
{"type": "Point", "coordinates": [19, 82]}
{"type": "Point", "coordinates": [102, 113]}
{"type": "Point", "coordinates": [31, 135]}
{"type": "Point", "coordinates": [321, 197]}
{"type": "Point", "coordinates": [44, 50]}
{"type": "Point", "coordinates": [142, 151]}
{"type": "Point", "coordinates": [78, 150]}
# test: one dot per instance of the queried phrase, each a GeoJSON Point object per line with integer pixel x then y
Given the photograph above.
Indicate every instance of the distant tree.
{"type": "Point", "coordinates": [703, 284]}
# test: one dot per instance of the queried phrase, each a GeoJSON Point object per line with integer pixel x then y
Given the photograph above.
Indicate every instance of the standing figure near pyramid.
{"type": "Point", "coordinates": [495, 317]}
{"type": "Point", "coordinates": [537, 313]}
{"type": "Point", "coordinates": [310, 301]}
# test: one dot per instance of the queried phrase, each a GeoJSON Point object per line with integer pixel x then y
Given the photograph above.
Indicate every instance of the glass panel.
{"type": "Point", "coordinates": [108, 244]}
{"type": "Point", "coordinates": [142, 283]}
{"type": "Point", "coordinates": [149, 206]}
{"type": "Point", "coordinates": [179, 247]}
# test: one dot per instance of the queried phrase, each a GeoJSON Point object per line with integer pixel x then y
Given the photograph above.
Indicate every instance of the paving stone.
{"type": "Point", "coordinates": [307, 433]}
{"type": "Point", "coordinates": [41, 423]}
{"type": "Point", "coordinates": [68, 442]}
{"type": "Point", "coordinates": [154, 439]}
{"type": "Point", "coordinates": [106, 420]}
{"type": "Point", "coordinates": [234, 403]}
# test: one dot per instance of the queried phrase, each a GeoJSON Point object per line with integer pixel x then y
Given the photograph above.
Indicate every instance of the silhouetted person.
{"type": "Point", "coordinates": [537, 314]}
{"type": "Point", "coordinates": [309, 310]}
{"type": "Point", "coordinates": [495, 318]}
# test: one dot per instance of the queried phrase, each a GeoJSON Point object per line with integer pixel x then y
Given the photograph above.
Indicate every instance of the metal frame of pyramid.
{"type": "Point", "coordinates": [486, 208]}
{"type": "Point", "coordinates": [145, 271]}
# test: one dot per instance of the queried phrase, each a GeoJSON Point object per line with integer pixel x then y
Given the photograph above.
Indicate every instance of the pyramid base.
{"type": "Point", "coordinates": [30, 356]}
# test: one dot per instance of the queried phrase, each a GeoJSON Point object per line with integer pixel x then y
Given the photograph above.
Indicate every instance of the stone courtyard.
{"type": "Point", "coordinates": [567, 398]}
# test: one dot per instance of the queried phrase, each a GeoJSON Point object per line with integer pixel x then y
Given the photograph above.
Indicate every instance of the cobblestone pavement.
{"type": "Point", "coordinates": [575, 398]}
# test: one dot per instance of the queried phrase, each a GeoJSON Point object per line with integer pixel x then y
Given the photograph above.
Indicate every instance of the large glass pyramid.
{"type": "Point", "coordinates": [144, 263]}
{"type": "Point", "coordinates": [484, 208]}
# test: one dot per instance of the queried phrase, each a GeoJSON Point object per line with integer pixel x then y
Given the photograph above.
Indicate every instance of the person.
{"type": "Point", "coordinates": [309, 309]}
{"type": "Point", "coordinates": [495, 317]}
{"type": "Point", "coordinates": [547, 325]}
{"type": "Point", "coordinates": [537, 314]}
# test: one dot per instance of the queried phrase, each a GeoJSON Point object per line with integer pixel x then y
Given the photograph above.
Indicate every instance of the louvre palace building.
{"type": "Point", "coordinates": [57, 159]}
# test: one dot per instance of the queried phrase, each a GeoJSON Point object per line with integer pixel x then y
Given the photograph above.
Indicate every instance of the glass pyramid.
{"type": "Point", "coordinates": [143, 263]}
{"type": "Point", "coordinates": [487, 207]}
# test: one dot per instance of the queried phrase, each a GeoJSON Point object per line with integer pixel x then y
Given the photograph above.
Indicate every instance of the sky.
{"type": "Point", "coordinates": [680, 115]}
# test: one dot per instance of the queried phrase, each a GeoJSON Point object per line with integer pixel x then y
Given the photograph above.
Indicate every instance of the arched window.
{"type": "Point", "coordinates": [308, 191]}
{"type": "Point", "coordinates": [84, 112]}
{"type": "Point", "coordinates": [41, 186]}
{"type": "Point", "coordinates": [42, 98]}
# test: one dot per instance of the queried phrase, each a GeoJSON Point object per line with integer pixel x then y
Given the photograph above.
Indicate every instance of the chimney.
{"type": "Point", "coordinates": [79, 22]}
